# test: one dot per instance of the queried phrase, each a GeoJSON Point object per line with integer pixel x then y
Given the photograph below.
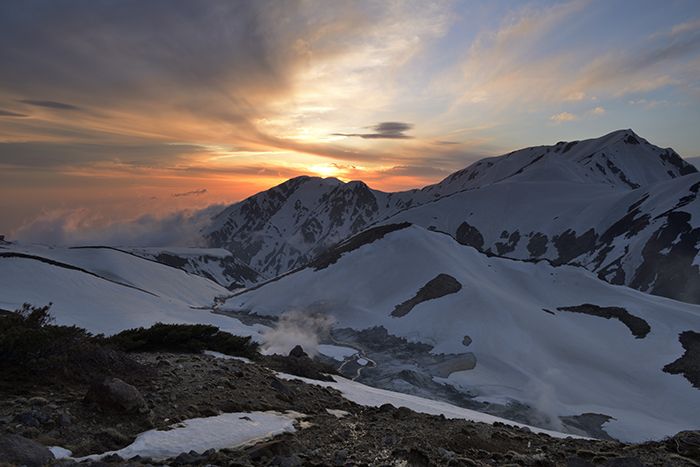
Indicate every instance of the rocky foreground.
{"type": "Point", "coordinates": [176, 387]}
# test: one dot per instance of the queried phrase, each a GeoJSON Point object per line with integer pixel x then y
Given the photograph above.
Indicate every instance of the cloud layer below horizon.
{"type": "Point", "coordinates": [130, 107]}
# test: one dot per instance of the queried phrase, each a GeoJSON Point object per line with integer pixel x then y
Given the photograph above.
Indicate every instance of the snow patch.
{"type": "Point", "coordinates": [231, 430]}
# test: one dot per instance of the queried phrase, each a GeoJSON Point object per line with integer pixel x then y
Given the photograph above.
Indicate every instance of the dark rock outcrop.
{"type": "Point", "coordinates": [18, 450]}
{"type": "Point", "coordinates": [636, 325]}
{"type": "Point", "coordinates": [440, 286]}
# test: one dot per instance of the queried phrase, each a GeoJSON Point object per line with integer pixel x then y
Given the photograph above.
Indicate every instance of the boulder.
{"type": "Point", "coordinates": [298, 352]}
{"type": "Point", "coordinates": [114, 394]}
{"type": "Point", "coordinates": [22, 451]}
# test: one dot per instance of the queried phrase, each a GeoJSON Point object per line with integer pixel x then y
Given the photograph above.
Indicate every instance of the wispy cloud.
{"type": "Point", "coordinates": [563, 117]}
{"type": "Point", "coordinates": [596, 111]}
{"type": "Point", "coordinates": [519, 66]}
{"type": "Point", "coordinates": [86, 227]}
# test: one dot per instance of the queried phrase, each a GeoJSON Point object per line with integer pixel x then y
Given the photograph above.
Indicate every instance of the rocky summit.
{"type": "Point", "coordinates": [329, 430]}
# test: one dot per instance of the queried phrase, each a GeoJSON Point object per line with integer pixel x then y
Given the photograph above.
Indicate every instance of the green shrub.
{"type": "Point", "coordinates": [33, 349]}
{"type": "Point", "coordinates": [27, 339]}
{"type": "Point", "coordinates": [184, 338]}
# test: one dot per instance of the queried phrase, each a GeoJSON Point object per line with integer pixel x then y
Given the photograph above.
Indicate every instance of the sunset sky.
{"type": "Point", "coordinates": [123, 115]}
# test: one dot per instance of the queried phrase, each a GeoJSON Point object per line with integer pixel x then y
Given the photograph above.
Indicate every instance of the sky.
{"type": "Point", "coordinates": [131, 114]}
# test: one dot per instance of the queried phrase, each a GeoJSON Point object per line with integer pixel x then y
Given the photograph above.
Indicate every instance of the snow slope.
{"type": "Point", "coordinates": [526, 349]}
{"type": "Point", "coordinates": [647, 238]}
{"type": "Point", "coordinates": [106, 290]}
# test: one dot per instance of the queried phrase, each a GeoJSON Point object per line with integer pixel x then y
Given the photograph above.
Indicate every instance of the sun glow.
{"type": "Point", "coordinates": [329, 169]}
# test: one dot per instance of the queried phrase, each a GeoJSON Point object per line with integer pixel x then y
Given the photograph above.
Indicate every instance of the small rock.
{"type": "Point", "coordinates": [112, 458]}
{"type": "Point", "coordinates": [185, 458]}
{"type": "Point", "coordinates": [341, 455]}
{"type": "Point", "coordinates": [65, 464]}
{"type": "Point", "coordinates": [64, 419]}
{"type": "Point", "coordinates": [385, 408]}
{"type": "Point", "coordinates": [38, 401]}
{"type": "Point", "coordinates": [113, 393]}
{"type": "Point", "coordinates": [269, 449]}
{"type": "Point", "coordinates": [624, 462]}
{"type": "Point", "coordinates": [465, 462]}
{"type": "Point", "coordinates": [7, 420]}
{"type": "Point", "coordinates": [28, 419]}
{"type": "Point", "coordinates": [294, 461]}
{"type": "Point", "coordinates": [279, 386]}
{"type": "Point", "coordinates": [42, 417]}
{"type": "Point", "coordinates": [577, 462]}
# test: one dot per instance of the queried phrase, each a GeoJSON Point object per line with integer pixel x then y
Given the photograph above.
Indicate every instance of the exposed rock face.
{"type": "Point", "coordinates": [469, 235]}
{"type": "Point", "coordinates": [689, 364]}
{"type": "Point", "coordinates": [18, 450]}
{"type": "Point", "coordinates": [114, 394]}
{"type": "Point", "coordinates": [636, 325]}
{"type": "Point", "coordinates": [442, 285]}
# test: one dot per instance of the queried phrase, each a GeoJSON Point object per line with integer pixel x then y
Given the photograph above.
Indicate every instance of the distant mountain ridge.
{"type": "Point", "coordinates": [617, 205]}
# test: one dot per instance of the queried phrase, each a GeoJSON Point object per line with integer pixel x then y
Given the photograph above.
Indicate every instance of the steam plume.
{"type": "Point", "coordinates": [297, 328]}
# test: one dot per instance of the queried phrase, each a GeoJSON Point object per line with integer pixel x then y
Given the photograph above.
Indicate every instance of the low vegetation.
{"type": "Point", "coordinates": [183, 338]}
{"type": "Point", "coordinates": [35, 350]}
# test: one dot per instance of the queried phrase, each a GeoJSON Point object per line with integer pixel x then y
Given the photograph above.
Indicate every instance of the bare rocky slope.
{"type": "Point", "coordinates": [177, 387]}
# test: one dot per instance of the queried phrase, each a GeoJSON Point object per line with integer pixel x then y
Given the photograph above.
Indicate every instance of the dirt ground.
{"type": "Point", "coordinates": [177, 387]}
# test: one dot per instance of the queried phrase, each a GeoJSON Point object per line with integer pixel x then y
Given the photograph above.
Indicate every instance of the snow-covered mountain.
{"type": "Point", "coordinates": [288, 225]}
{"type": "Point", "coordinates": [632, 225]}
{"type": "Point", "coordinates": [617, 205]}
{"type": "Point", "coordinates": [544, 345]}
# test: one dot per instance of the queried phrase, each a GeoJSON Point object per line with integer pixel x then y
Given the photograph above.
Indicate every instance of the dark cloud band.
{"type": "Point", "coordinates": [7, 113]}
{"type": "Point", "coordinates": [50, 104]}
{"type": "Point", "coordinates": [384, 130]}
{"type": "Point", "coordinates": [191, 193]}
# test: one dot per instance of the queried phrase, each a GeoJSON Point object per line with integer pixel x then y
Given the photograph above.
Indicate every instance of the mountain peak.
{"type": "Point", "coordinates": [621, 159]}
